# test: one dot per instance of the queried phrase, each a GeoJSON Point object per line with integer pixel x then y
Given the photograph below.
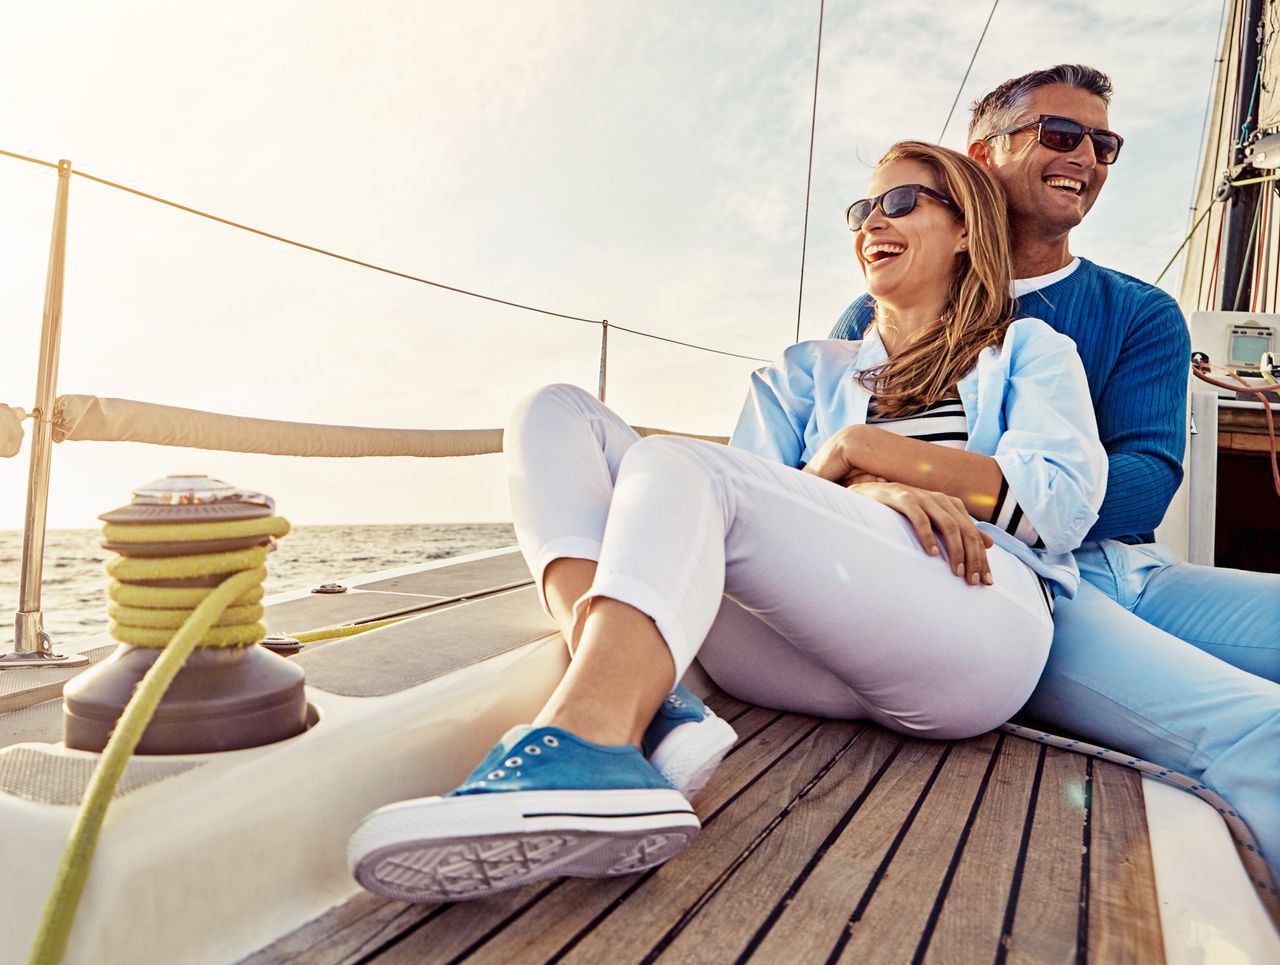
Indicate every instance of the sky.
{"type": "Point", "coordinates": [644, 162]}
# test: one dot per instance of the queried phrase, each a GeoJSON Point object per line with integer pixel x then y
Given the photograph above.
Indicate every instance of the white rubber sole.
{"type": "Point", "coordinates": [473, 846]}
{"type": "Point", "coordinates": [689, 755]}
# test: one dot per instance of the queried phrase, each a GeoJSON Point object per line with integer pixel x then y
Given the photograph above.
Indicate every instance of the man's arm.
{"type": "Point", "coordinates": [853, 323]}
{"type": "Point", "coordinates": [1142, 421]}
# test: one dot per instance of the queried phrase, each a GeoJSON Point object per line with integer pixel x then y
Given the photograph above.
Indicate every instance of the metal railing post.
{"type": "Point", "coordinates": [32, 647]}
{"type": "Point", "coordinates": [604, 357]}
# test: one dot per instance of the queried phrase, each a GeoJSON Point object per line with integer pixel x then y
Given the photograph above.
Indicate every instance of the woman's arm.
{"type": "Point", "coordinates": [867, 450]}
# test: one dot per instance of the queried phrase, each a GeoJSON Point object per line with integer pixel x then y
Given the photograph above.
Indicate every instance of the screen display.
{"type": "Point", "coordinates": [1248, 349]}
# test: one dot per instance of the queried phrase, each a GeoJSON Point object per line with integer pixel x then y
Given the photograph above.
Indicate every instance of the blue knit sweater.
{"type": "Point", "coordinates": [1135, 347]}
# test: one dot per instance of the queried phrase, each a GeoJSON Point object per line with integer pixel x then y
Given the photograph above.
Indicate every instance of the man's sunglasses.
{"type": "Point", "coordinates": [895, 203]}
{"type": "Point", "coordinates": [1064, 134]}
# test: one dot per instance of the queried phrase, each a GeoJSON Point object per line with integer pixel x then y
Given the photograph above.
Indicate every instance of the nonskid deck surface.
{"type": "Point", "coordinates": [826, 841]}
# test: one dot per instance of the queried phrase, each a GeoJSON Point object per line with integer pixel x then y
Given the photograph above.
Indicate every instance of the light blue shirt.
{"type": "Point", "coordinates": [1026, 404]}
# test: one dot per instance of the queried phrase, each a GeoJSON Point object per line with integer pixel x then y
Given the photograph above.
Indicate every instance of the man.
{"type": "Point", "coordinates": [1172, 662]}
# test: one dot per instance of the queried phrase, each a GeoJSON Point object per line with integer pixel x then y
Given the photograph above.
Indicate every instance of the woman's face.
{"type": "Point", "coordinates": [909, 260]}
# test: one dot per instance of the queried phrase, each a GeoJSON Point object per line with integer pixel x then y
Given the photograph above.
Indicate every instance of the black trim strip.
{"type": "Point", "coordinates": [882, 869]}
{"type": "Point", "coordinates": [692, 910]}
{"type": "Point", "coordinates": [1019, 868]}
{"type": "Point", "coordinates": [617, 902]}
{"type": "Point", "coordinates": [772, 919]}
{"type": "Point", "coordinates": [931, 923]}
{"type": "Point", "coordinates": [1086, 847]}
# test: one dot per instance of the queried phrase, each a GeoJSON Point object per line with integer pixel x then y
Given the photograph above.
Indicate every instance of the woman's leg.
{"type": "Point", "coordinates": [563, 448]}
{"type": "Point", "coordinates": [841, 579]}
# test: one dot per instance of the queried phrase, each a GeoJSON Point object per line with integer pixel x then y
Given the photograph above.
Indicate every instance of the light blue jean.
{"type": "Point", "coordinates": [1177, 664]}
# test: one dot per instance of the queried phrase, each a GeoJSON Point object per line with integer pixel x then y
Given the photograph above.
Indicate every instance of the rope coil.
{"type": "Point", "coordinates": [146, 616]}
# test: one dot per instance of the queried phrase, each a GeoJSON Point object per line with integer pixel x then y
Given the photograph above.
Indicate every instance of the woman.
{"type": "Point", "coordinates": [950, 459]}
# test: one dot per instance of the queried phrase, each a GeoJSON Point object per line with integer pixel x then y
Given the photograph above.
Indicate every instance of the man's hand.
{"type": "Point", "coordinates": [937, 514]}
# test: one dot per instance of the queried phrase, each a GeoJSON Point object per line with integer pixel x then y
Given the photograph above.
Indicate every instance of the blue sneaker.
{"type": "Point", "coordinates": [686, 741]}
{"type": "Point", "coordinates": [542, 804]}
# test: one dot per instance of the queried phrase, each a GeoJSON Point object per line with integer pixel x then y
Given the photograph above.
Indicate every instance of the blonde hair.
{"type": "Point", "coordinates": [979, 305]}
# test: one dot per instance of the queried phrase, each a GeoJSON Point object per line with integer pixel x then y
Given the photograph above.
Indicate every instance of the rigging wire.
{"type": "Point", "coordinates": [960, 89]}
{"type": "Point", "coordinates": [366, 264]}
{"type": "Point", "coordinates": [1190, 235]}
{"type": "Point", "coordinates": [614, 326]}
{"type": "Point", "coordinates": [808, 184]}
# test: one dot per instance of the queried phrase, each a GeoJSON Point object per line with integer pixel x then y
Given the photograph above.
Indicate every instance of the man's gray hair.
{"type": "Point", "coordinates": [1003, 105]}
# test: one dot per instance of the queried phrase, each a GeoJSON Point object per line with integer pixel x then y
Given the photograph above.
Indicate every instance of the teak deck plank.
{"type": "Point", "coordinates": [808, 930]}
{"type": "Point", "coordinates": [344, 933]}
{"type": "Point", "coordinates": [899, 905]}
{"type": "Point", "coordinates": [1124, 922]}
{"type": "Point", "coordinates": [982, 892]}
{"type": "Point", "coordinates": [725, 858]}
{"type": "Point", "coordinates": [1046, 921]}
{"type": "Point", "coordinates": [729, 924]}
{"type": "Point", "coordinates": [826, 840]}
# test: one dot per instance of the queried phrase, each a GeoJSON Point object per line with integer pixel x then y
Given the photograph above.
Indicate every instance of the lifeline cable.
{"type": "Point", "coordinates": [366, 264]}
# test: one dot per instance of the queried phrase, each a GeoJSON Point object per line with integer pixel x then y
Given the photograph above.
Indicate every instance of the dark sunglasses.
{"type": "Point", "coordinates": [1063, 134]}
{"type": "Point", "coordinates": [895, 203]}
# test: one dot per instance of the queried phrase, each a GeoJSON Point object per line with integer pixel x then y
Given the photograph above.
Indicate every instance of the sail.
{"type": "Point", "coordinates": [1233, 255]}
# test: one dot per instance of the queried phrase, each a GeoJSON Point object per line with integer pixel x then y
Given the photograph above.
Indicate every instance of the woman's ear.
{"type": "Point", "coordinates": [962, 244]}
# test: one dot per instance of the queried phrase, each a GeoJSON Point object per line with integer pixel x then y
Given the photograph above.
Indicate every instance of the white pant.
{"type": "Point", "coordinates": [794, 592]}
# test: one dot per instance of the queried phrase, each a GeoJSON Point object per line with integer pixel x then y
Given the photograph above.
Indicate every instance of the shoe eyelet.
{"type": "Point", "coordinates": [494, 775]}
{"type": "Point", "coordinates": [550, 740]}
{"type": "Point", "coordinates": [512, 762]}
{"type": "Point", "coordinates": [533, 750]}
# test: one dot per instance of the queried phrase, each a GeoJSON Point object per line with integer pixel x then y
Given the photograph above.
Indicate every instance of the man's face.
{"type": "Point", "coordinates": [1049, 191]}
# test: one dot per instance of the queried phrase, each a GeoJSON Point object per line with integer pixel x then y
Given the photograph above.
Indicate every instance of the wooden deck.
{"type": "Point", "coordinates": [827, 841]}
{"type": "Point", "coordinates": [823, 840]}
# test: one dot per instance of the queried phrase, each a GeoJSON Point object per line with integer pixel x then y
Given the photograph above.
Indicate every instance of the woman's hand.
{"type": "Point", "coordinates": [937, 514]}
{"type": "Point", "coordinates": [834, 461]}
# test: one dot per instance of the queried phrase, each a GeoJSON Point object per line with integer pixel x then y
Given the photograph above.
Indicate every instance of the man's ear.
{"type": "Point", "coordinates": [980, 151]}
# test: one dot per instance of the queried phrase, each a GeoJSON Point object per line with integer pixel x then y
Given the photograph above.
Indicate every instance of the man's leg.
{"type": "Point", "coordinates": [1116, 680]}
{"type": "Point", "coordinates": [1232, 614]}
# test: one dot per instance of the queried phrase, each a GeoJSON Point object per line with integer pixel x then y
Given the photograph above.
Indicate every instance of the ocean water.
{"type": "Point", "coordinates": [73, 595]}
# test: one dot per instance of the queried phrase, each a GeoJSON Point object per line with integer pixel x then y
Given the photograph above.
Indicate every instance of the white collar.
{"type": "Point", "coordinates": [1023, 285]}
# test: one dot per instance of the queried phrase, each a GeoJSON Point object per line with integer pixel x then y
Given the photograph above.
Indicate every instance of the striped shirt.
{"type": "Point", "coordinates": [1135, 348]}
{"type": "Point", "coordinates": [943, 423]}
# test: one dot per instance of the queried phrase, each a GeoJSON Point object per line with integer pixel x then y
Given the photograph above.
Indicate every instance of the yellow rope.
{"type": "Point", "coordinates": [225, 615]}
{"type": "Point", "coordinates": [184, 567]}
{"type": "Point", "coordinates": [187, 532]}
{"type": "Point", "coordinates": [73, 870]}
{"type": "Point", "coordinates": [332, 633]}
{"type": "Point", "coordinates": [172, 619]}
{"type": "Point", "coordinates": [172, 597]}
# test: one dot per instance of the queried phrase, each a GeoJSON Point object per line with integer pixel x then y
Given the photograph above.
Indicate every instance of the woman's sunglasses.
{"type": "Point", "coordinates": [1063, 134]}
{"type": "Point", "coordinates": [895, 203]}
